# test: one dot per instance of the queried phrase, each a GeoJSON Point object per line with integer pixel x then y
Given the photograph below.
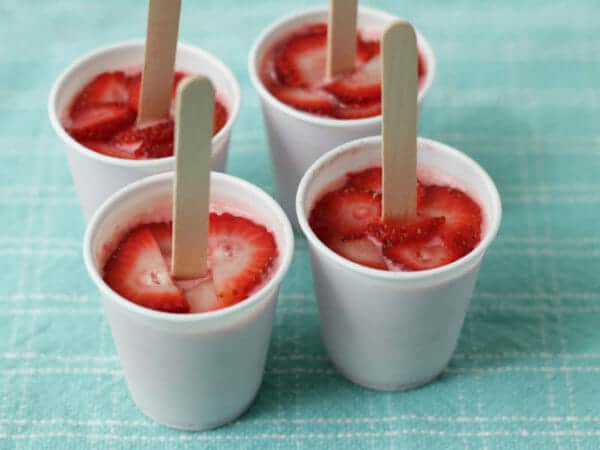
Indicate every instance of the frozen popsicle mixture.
{"type": "Point", "coordinates": [102, 117]}
{"type": "Point", "coordinates": [293, 70]}
{"type": "Point", "coordinates": [241, 256]}
{"type": "Point", "coordinates": [348, 220]}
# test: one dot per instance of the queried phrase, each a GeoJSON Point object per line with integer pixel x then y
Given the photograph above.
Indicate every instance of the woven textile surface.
{"type": "Point", "coordinates": [517, 89]}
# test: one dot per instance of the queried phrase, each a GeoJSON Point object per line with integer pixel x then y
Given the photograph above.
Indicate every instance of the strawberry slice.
{"type": "Point", "coordinates": [346, 213]}
{"type": "Point", "coordinates": [394, 232]}
{"type": "Point", "coordinates": [456, 206]}
{"type": "Point", "coordinates": [368, 180]}
{"type": "Point", "coordinates": [99, 121]}
{"type": "Point", "coordinates": [106, 88]}
{"type": "Point", "coordinates": [361, 251]}
{"type": "Point", "coordinates": [153, 141]}
{"type": "Point", "coordinates": [361, 86]}
{"type": "Point", "coordinates": [313, 101]}
{"type": "Point", "coordinates": [420, 255]}
{"type": "Point", "coordinates": [241, 253]}
{"type": "Point", "coordinates": [300, 60]}
{"type": "Point", "coordinates": [462, 230]}
{"type": "Point", "coordinates": [163, 233]}
{"type": "Point", "coordinates": [134, 85]}
{"type": "Point", "coordinates": [137, 271]}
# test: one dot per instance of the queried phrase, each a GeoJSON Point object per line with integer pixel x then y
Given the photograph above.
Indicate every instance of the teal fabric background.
{"type": "Point", "coordinates": [518, 89]}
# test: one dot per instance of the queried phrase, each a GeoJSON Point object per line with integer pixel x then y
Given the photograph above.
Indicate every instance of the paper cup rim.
{"type": "Point", "coordinates": [54, 114]}
{"type": "Point", "coordinates": [448, 270]}
{"type": "Point", "coordinates": [423, 44]}
{"type": "Point", "coordinates": [106, 291]}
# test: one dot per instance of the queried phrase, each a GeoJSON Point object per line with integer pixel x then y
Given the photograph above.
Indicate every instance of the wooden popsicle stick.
{"type": "Point", "coordinates": [194, 109]}
{"type": "Point", "coordinates": [399, 127]}
{"type": "Point", "coordinates": [341, 37]}
{"type": "Point", "coordinates": [159, 60]}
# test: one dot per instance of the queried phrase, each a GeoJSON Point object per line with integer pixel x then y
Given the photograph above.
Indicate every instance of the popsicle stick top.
{"type": "Point", "coordinates": [399, 126]}
{"type": "Point", "coordinates": [194, 110]}
{"type": "Point", "coordinates": [341, 37]}
{"type": "Point", "coordinates": [159, 60]}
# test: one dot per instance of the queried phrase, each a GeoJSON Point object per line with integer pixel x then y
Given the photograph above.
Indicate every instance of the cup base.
{"type": "Point", "coordinates": [200, 427]}
{"type": "Point", "coordinates": [388, 387]}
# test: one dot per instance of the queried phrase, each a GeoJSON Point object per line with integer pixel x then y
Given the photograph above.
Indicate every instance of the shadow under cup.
{"type": "Point", "coordinates": [393, 330]}
{"type": "Point", "coordinates": [189, 371]}
{"type": "Point", "coordinates": [97, 176]}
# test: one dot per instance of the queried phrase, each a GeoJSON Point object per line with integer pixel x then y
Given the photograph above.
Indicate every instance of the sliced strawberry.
{"type": "Point", "coordinates": [313, 101]}
{"type": "Point", "coordinates": [300, 60]}
{"type": "Point", "coordinates": [366, 180]}
{"type": "Point", "coordinates": [99, 121]}
{"type": "Point", "coordinates": [462, 238]}
{"type": "Point", "coordinates": [366, 49]}
{"type": "Point", "coordinates": [163, 233]}
{"type": "Point", "coordinates": [420, 255]}
{"type": "Point", "coordinates": [358, 111]}
{"type": "Point", "coordinates": [137, 271]}
{"type": "Point", "coordinates": [346, 213]}
{"type": "Point", "coordinates": [220, 116]}
{"type": "Point", "coordinates": [361, 86]}
{"type": "Point", "coordinates": [153, 141]}
{"type": "Point", "coordinates": [106, 88]}
{"type": "Point", "coordinates": [462, 230]}
{"type": "Point", "coordinates": [134, 85]}
{"type": "Point", "coordinates": [241, 253]}
{"type": "Point", "coordinates": [416, 230]}
{"type": "Point", "coordinates": [112, 149]}
{"type": "Point", "coordinates": [361, 251]}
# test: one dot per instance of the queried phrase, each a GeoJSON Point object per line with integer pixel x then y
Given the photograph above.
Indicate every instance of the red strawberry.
{"type": "Point", "coordinates": [363, 85]}
{"type": "Point", "coordinates": [241, 253]}
{"type": "Point", "coordinates": [300, 60]}
{"type": "Point", "coordinates": [419, 255]}
{"type": "Point", "coordinates": [99, 121]}
{"type": "Point", "coordinates": [113, 149]}
{"type": "Point", "coordinates": [366, 180]}
{"type": "Point", "coordinates": [106, 88]}
{"type": "Point", "coordinates": [346, 213]}
{"type": "Point", "coordinates": [358, 111]}
{"type": "Point", "coordinates": [163, 233]}
{"type": "Point", "coordinates": [153, 141]}
{"type": "Point", "coordinates": [313, 101]}
{"type": "Point", "coordinates": [220, 116]}
{"type": "Point", "coordinates": [366, 49]}
{"type": "Point", "coordinates": [419, 230]}
{"type": "Point", "coordinates": [462, 238]}
{"type": "Point", "coordinates": [134, 85]}
{"type": "Point", "coordinates": [361, 251]}
{"type": "Point", "coordinates": [137, 271]}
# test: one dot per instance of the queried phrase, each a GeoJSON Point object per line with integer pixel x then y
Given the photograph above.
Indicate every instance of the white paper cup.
{"type": "Point", "coordinates": [96, 176]}
{"type": "Point", "coordinates": [297, 138]}
{"type": "Point", "coordinates": [189, 371]}
{"type": "Point", "coordinates": [393, 330]}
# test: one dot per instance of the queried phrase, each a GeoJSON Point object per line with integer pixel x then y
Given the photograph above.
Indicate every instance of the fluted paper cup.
{"type": "Point", "coordinates": [297, 138]}
{"type": "Point", "coordinates": [96, 176]}
{"type": "Point", "coordinates": [393, 330]}
{"type": "Point", "coordinates": [189, 371]}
